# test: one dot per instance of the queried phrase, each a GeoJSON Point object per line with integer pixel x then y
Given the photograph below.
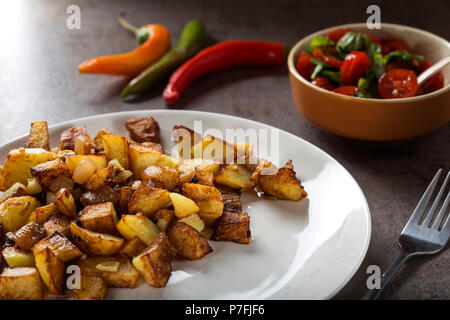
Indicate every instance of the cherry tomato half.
{"type": "Point", "coordinates": [347, 90]}
{"type": "Point", "coordinates": [354, 67]}
{"type": "Point", "coordinates": [401, 64]}
{"type": "Point", "coordinates": [304, 66]}
{"type": "Point", "coordinates": [389, 45]}
{"type": "Point", "coordinates": [323, 83]}
{"type": "Point", "coordinates": [398, 83]}
{"type": "Point", "coordinates": [329, 55]}
{"type": "Point", "coordinates": [374, 40]}
{"type": "Point", "coordinates": [337, 34]}
{"type": "Point", "coordinates": [434, 83]}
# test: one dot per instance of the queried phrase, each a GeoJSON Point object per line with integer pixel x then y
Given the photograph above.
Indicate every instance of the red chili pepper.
{"type": "Point", "coordinates": [222, 56]}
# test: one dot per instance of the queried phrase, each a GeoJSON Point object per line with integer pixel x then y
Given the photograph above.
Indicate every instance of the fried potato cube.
{"type": "Point", "coordinates": [98, 141]}
{"type": "Point", "coordinates": [51, 270]}
{"type": "Point", "coordinates": [214, 148]}
{"type": "Point", "coordinates": [142, 156]}
{"type": "Point", "coordinates": [144, 129]}
{"type": "Point", "coordinates": [132, 247]}
{"type": "Point", "coordinates": [185, 139]}
{"type": "Point", "coordinates": [188, 242]}
{"type": "Point", "coordinates": [27, 236]}
{"type": "Point", "coordinates": [67, 139]}
{"type": "Point", "coordinates": [39, 137]}
{"type": "Point", "coordinates": [41, 214]}
{"type": "Point", "coordinates": [137, 225]}
{"type": "Point", "coordinates": [17, 258]}
{"type": "Point", "coordinates": [124, 276]}
{"type": "Point", "coordinates": [283, 184]}
{"type": "Point", "coordinates": [244, 153]}
{"type": "Point", "coordinates": [189, 167]}
{"type": "Point", "coordinates": [194, 221]}
{"type": "Point", "coordinates": [73, 161]}
{"type": "Point", "coordinates": [91, 288]}
{"type": "Point", "coordinates": [233, 226]}
{"type": "Point", "coordinates": [116, 147]}
{"type": "Point", "coordinates": [58, 223]}
{"type": "Point", "coordinates": [183, 206]}
{"type": "Point", "coordinates": [94, 243]}
{"type": "Point", "coordinates": [101, 217]}
{"type": "Point", "coordinates": [162, 177]}
{"type": "Point", "coordinates": [60, 246]}
{"type": "Point", "coordinates": [231, 198]}
{"type": "Point", "coordinates": [65, 203]}
{"type": "Point", "coordinates": [15, 212]}
{"type": "Point", "coordinates": [48, 171]}
{"type": "Point", "coordinates": [20, 284]}
{"type": "Point", "coordinates": [163, 218]}
{"type": "Point", "coordinates": [199, 177]}
{"type": "Point", "coordinates": [125, 194]}
{"type": "Point", "coordinates": [208, 199]}
{"type": "Point", "coordinates": [148, 200]}
{"type": "Point", "coordinates": [236, 176]}
{"type": "Point", "coordinates": [83, 144]}
{"type": "Point", "coordinates": [18, 164]}
{"type": "Point", "coordinates": [104, 194]}
{"type": "Point", "coordinates": [100, 178]}
{"type": "Point", "coordinates": [16, 190]}
{"type": "Point", "coordinates": [154, 264]}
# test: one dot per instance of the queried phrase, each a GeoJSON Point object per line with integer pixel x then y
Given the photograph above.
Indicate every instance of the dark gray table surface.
{"type": "Point", "coordinates": [38, 80]}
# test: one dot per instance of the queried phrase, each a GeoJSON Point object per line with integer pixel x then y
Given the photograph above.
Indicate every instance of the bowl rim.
{"type": "Point", "coordinates": [295, 49]}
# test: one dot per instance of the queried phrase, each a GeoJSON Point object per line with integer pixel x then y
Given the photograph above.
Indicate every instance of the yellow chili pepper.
{"type": "Point", "coordinates": [155, 42]}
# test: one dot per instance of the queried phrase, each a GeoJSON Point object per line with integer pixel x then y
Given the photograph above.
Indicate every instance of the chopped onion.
{"type": "Point", "coordinates": [84, 170]}
{"type": "Point", "coordinates": [33, 186]}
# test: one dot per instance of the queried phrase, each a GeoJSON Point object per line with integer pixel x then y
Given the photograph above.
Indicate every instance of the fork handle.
{"type": "Point", "coordinates": [389, 274]}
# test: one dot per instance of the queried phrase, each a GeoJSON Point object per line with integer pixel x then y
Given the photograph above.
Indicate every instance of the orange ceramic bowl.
{"type": "Point", "coordinates": [375, 119]}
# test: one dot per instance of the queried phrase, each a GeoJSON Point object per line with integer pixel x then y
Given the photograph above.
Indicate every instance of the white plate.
{"type": "Point", "coordinates": [304, 250]}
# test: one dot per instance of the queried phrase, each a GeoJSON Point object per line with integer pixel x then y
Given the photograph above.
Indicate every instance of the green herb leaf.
{"type": "Point", "coordinates": [333, 76]}
{"type": "Point", "coordinates": [320, 41]}
{"type": "Point", "coordinates": [350, 42]}
{"type": "Point", "coordinates": [414, 60]}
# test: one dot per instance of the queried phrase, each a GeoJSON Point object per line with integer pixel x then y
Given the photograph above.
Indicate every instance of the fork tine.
{"type": "Point", "coordinates": [433, 208]}
{"type": "Point", "coordinates": [441, 214]}
{"type": "Point", "coordinates": [421, 206]}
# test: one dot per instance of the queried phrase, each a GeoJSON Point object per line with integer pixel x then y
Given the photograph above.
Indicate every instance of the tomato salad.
{"type": "Point", "coordinates": [360, 65]}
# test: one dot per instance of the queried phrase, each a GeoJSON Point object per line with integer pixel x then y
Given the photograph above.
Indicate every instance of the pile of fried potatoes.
{"type": "Point", "coordinates": [115, 208]}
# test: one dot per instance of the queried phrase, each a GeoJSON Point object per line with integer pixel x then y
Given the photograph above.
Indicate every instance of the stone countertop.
{"type": "Point", "coordinates": [39, 81]}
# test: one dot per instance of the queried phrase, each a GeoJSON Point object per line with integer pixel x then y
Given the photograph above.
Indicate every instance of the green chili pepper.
{"type": "Point", "coordinates": [191, 41]}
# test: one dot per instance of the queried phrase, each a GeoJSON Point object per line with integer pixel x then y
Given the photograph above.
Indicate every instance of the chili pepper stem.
{"type": "Point", "coordinates": [126, 25]}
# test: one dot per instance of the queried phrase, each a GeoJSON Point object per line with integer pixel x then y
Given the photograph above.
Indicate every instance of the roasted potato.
{"type": "Point", "coordinates": [132, 247]}
{"type": "Point", "coordinates": [194, 221]}
{"type": "Point", "coordinates": [73, 161]}
{"type": "Point", "coordinates": [100, 217]}
{"type": "Point", "coordinates": [154, 264]}
{"type": "Point", "coordinates": [162, 177]}
{"type": "Point", "coordinates": [57, 223]}
{"type": "Point", "coordinates": [65, 203]}
{"type": "Point", "coordinates": [91, 288]}
{"type": "Point", "coordinates": [18, 164]}
{"type": "Point", "coordinates": [15, 212]}
{"type": "Point", "coordinates": [100, 178]}
{"type": "Point", "coordinates": [27, 236]}
{"type": "Point", "coordinates": [199, 177]}
{"type": "Point", "coordinates": [67, 140]}
{"type": "Point", "coordinates": [137, 225]}
{"type": "Point", "coordinates": [282, 184]}
{"type": "Point", "coordinates": [41, 214]}
{"type": "Point", "coordinates": [98, 141]}
{"type": "Point", "coordinates": [20, 284]}
{"type": "Point", "coordinates": [17, 258]}
{"type": "Point", "coordinates": [215, 149]}
{"type": "Point", "coordinates": [48, 171]}
{"type": "Point", "coordinates": [60, 246]}
{"type": "Point", "coordinates": [125, 194]}
{"type": "Point", "coordinates": [163, 218]}
{"type": "Point", "coordinates": [185, 138]}
{"type": "Point", "coordinates": [102, 195]}
{"type": "Point", "coordinates": [117, 271]}
{"type": "Point", "coordinates": [143, 129]}
{"type": "Point", "coordinates": [208, 199]}
{"type": "Point", "coordinates": [83, 144]}
{"type": "Point", "coordinates": [232, 226]}
{"type": "Point", "coordinates": [51, 270]}
{"type": "Point", "coordinates": [142, 156]}
{"type": "Point", "coordinates": [39, 137]}
{"type": "Point", "coordinates": [188, 242]}
{"type": "Point", "coordinates": [148, 200]}
{"type": "Point", "coordinates": [116, 147]}
{"type": "Point", "coordinates": [16, 190]}
{"type": "Point", "coordinates": [236, 176]}
{"type": "Point", "coordinates": [94, 243]}
{"type": "Point", "coordinates": [189, 167]}
{"type": "Point", "coordinates": [183, 206]}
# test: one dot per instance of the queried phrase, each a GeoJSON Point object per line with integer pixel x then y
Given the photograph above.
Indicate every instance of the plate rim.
{"type": "Point", "coordinates": [131, 113]}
